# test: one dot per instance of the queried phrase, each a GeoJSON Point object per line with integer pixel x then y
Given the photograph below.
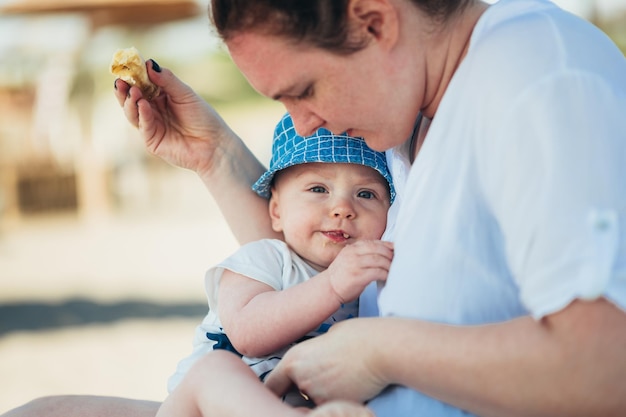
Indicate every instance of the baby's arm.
{"type": "Point", "coordinates": [260, 320]}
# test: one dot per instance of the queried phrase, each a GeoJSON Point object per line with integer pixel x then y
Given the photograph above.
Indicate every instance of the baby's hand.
{"type": "Point", "coordinates": [357, 265]}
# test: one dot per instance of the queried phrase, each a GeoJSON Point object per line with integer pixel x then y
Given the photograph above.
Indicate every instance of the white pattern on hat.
{"type": "Point", "coordinates": [289, 149]}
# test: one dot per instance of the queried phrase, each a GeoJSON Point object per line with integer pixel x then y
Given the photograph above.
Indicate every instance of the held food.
{"type": "Point", "coordinates": [129, 66]}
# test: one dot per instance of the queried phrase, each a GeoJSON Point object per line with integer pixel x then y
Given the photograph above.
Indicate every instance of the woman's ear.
{"type": "Point", "coordinates": [374, 19]}
{"type": "Point", "coordinates": [274, 211]}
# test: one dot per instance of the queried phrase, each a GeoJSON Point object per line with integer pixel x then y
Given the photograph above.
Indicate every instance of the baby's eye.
{"type": "Point", "coordinates": [317, 189]}
{"type": "Point", "coordinates": [366, 194]}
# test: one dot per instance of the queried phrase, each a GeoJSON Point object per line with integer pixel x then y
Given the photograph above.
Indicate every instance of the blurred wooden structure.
{"type": "Point", "coordinates": [37, 182]}
{"type": "Point", "coordinates": [109, 12]}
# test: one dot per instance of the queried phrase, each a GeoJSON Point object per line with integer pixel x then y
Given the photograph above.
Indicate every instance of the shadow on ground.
{"type": "Point", "coordinates": [34, 316]}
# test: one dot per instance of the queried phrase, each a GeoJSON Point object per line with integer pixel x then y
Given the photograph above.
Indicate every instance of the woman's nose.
{"type": "Point", "coordinates": [305, 121]}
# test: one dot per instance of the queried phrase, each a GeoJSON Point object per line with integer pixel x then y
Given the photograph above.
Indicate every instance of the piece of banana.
{"type": "Point", "coordinates": [128, 65]}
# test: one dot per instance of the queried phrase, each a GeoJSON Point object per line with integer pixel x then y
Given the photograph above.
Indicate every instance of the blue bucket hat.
{"type": "Point", "coordinates": [289, 149]}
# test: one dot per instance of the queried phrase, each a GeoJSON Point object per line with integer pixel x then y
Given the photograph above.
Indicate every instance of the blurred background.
{"type": "Point", "coordinates": [103, 247]}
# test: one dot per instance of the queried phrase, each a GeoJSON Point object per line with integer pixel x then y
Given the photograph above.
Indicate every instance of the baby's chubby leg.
{"type": "Point", "coordinates": [341, 409]}
{"type": "Point", "coordinates": [220, 384]}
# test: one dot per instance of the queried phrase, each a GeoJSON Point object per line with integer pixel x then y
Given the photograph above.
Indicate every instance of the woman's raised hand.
{"type": "Point", "coordinates": [182, 129]}
{"type": "Point", "coordinates": [178, 125]}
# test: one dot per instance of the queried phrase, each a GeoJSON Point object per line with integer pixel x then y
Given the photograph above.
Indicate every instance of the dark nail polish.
{"type": "Point", "coordinates": [155, 66]}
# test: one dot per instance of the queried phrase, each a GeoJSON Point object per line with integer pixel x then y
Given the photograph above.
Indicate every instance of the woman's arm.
{"type": "Point", "coordinates": [182, 129]}
{"type": "Point", "coordinates": [570, 363]}
{"type": "Point", "coordinates": [229, 181]}
{"type": "Point", "coordinates": [85, 406]}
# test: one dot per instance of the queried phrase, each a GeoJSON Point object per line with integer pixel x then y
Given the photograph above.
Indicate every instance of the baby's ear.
{"type": "Point", "coordinates": [274, 211]}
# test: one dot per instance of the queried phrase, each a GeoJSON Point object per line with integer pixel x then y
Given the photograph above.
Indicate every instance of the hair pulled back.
{"type": "Point", "coordinates": [320, 23]}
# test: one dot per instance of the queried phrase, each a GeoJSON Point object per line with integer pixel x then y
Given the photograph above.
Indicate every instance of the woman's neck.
{"type": "Point", "coordinates": [419, 135]}
{"type": "Point", "coordinates": [452, 46]}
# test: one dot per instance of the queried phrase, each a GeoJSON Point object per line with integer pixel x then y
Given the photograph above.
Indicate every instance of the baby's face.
{"type": "Point", "coordinates": [322, 207]}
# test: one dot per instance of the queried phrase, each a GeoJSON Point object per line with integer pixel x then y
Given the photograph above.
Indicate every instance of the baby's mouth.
{"type": "Point", "coordinates": [337, 236]}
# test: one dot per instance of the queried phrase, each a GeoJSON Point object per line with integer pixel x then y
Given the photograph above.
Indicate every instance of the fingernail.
{"type": "Point", "coordinates": [155, 66]}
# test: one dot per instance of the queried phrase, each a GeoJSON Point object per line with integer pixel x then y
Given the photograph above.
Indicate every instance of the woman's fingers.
{"type": "Point", "coordinates": [279, 381]}
{"type": "Point", "coordinates": [121, 91]}
{"type": "Point", "coordinates": [129, 105]}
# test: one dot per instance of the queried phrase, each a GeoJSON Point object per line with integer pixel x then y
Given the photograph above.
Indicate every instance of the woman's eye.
{"type": "Point", "coordinates": [306, 93]}
{"type": "Point", "coordinates": [318, 189]}
{"type": "Point", "coordinates": [366, 194]}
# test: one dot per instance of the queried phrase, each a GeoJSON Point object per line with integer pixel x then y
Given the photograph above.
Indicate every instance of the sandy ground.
{"type": "Point", "coordinates": [129, 359]}
{"type": "Point", "coordinates": [106, 308]}
{"type": "Point", "coordinates": [107, 304]}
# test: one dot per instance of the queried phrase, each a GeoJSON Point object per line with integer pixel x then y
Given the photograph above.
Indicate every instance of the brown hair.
{"type": "Point", "coordinates": [321, 23]}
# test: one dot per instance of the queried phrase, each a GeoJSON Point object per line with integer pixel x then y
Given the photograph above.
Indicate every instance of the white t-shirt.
{"type": "Point", "coordinates": [516, 204]}
{"type": "Point", "coordinates": [269, 261]}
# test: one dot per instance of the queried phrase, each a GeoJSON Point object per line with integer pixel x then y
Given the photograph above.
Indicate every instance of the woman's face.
{"type": "Point", "coordinates": [361, 93]}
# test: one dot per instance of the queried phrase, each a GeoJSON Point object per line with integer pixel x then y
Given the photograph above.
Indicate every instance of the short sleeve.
{"type": "Point", "coordinates": [263, 261]}
{"type": "Point", "coordinates": [557, 187]}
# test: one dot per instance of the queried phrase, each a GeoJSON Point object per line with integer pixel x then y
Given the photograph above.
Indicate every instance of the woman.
{"type": "Point", "coordinates": [505, 213]}
{"type": "Point", "coordinates": [506, 295]}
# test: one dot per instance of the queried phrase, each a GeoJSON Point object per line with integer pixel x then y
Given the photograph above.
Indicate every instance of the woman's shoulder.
{"type": "Point", "coordinates": [539, 37]}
